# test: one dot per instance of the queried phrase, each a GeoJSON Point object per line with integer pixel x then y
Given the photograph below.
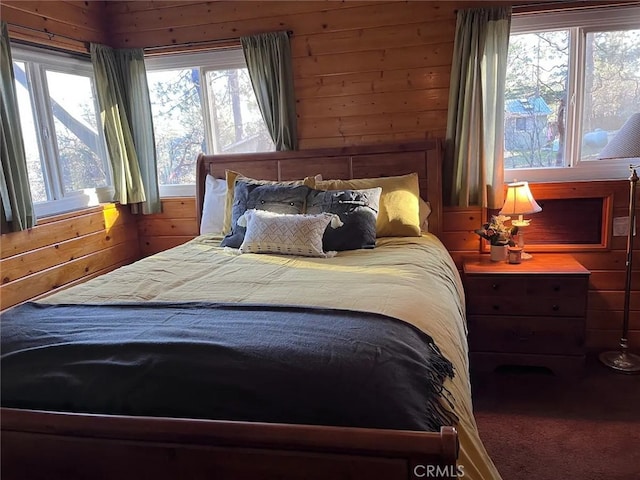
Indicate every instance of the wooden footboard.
{"type": "Point", "coordinates": [53, 445]}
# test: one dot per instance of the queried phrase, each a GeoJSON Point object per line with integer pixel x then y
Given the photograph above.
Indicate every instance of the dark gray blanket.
{"type": "Point", "coordinates": [218, 361]}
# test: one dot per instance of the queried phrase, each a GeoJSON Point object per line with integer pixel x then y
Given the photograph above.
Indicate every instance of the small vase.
{"type": "Point", "coordinates": [498, 253]}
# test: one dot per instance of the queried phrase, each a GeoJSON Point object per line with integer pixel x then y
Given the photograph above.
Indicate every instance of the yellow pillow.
{"type": "Point", "coordinates": [399, 207]}
{"type": "Point", "coordinates": [231, 178]}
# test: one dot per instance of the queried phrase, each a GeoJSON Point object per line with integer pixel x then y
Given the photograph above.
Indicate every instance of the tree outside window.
{"type": "Point", "coordinates": [203, 107]}
{"type": "Point", "coordinates": [538, 126]}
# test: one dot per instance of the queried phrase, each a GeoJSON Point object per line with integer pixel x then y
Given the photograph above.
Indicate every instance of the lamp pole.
{"type": "Point", "coordinates": [623, 361]}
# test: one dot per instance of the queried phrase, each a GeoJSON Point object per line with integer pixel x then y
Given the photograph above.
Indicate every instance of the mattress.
{"type": "Point", "coordinates": [408, 279]}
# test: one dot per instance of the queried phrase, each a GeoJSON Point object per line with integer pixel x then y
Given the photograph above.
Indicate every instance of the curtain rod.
{"type": "Point", "coordinates": [51, 35]}
{"type": "Point", "coordinates": [195, 45]}
{"type": "Point", "coordinates": [532, 7]}
{"type": "Point", "coordinates": [586, 3]}
{"type": "Point", "coordinates": [552, 5]}
{"type": "Point", "coordinates": [150, 50]}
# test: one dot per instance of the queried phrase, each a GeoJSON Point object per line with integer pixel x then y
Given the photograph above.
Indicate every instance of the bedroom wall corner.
{"type": "Point", "coordinates": [64, 250]}
{"type": "Point", "coordinates": [174, 226]}
{"type": "Point", "coordinates": [458, 225]}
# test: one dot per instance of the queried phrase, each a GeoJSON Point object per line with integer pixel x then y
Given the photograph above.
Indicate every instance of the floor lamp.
{"type": "Point", "coordinates": [626, 144]}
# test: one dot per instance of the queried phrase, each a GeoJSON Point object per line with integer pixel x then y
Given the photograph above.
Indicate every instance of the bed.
{"type": "Point", "coordinates": [299, 403]}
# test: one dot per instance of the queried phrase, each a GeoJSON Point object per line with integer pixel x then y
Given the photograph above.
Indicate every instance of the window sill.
{"type": "Point", "coordinates": [89, 197]}
{"type": "Point", "coordinates": [586, 171]}
{"type": "Point", "coordinates": [185, 190]}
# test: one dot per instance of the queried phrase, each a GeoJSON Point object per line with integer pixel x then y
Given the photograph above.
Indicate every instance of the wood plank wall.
{"type": "Point", "coordinates": [68, 25]}
{"type": "Point", "coordinates": [606, 284]}
{"type": "Point", "coordinates": [364, 72]}
{"type": "Point", "coordinates": [64, 250]}
{"type": "Point", "coordinates": [175, 225]}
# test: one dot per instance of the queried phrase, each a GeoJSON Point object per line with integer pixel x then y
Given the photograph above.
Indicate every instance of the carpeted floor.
{"type": "Point", "coordinates": [537, 426]}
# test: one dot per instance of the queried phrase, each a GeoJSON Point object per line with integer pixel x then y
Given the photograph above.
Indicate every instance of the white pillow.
{"type": "Point", "coordinates": [288, 234]}
{"type": "Point", "coordinates": [425, 211]}
{"type": "Point", "coordinates": [213, 208]}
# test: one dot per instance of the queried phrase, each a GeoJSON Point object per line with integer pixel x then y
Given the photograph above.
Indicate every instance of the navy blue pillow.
{"type": "Point", "coordinates": [358, 210]}
{"type": "Point", "coordinates": [274, 198]}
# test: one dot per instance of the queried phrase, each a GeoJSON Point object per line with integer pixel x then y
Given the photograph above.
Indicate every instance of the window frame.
{"type": "Point", "coordinates": [206, 61]}
{"type": "Point", "coordinates": [37, 62]}
{"type": "Point", "coordinates": [579, 23]}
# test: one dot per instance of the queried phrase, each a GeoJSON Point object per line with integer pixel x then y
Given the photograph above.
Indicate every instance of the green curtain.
{"type": "Point", "coordinates": [268, 59]}
{"type": "Point", "coordinates": [16, 206]}
{"type": "Point", "coordinates": [473, 170]}
{"type": "Point", "coordinates": [123, 94]}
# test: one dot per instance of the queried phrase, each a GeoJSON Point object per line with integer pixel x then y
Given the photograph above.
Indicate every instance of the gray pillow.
{"type": "Point", "coordinates": [358, 210]}
{"type": "Point", "coordinates": [273, 198]}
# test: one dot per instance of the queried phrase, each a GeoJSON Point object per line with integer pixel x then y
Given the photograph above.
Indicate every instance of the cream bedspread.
{"type": "Point", "coordinates": [410, 278]}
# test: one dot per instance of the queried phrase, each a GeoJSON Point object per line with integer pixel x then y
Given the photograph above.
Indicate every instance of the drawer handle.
{"type": "Point", "coordinates": [555, 308]}
{"type": "Point", "coordinates": [496, 307]}
{"type": "Point", "coordinates": [556, 288]}
{"type": "Point", "coordinates": [495, 286]}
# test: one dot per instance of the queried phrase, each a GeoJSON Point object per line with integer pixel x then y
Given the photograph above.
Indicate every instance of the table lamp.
{"type": "Point", "coordinates": [519, 201]}
{"type": "Point", "coordinates": [626, 144]}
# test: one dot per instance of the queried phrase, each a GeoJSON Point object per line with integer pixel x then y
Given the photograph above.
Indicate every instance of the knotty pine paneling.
{"type": "Point", "coordinates": [68, 25]}
{"type": "Point", "coordinates": [364, 72]}
{"type": "Point", "coordinates": [174, 226]}
{"type": "Point", "coordinates": [458, 225]}
{"type": "Point", "coordinates": [65, 250]}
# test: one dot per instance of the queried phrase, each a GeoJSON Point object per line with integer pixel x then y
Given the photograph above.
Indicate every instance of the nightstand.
{"type": "Point", "coordinates": [532, 313]}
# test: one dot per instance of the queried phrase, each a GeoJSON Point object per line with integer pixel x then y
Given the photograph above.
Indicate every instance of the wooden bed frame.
{"type": "Point", "coordinates": [52, 445]}
{"type": "Point", "coordinates": [372, 161]}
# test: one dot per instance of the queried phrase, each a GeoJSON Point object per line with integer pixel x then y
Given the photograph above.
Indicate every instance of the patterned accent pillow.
{"type": "Point", "coordinates": [358, 211]}
{"type": "Point", "coordinates": [399, 214]}
{"type": "Point", "coordinates": [232, 177]}
{"type": "Point", "coordinates": [274, 198]}
{"type": "Point", "coordinates": [268, 232]}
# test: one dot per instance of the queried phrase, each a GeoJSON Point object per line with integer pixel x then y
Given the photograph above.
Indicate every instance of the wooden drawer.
{"type": "Point", "coordinates": [556, 306]}
{"type": "Point", "coordinates": [557, 286]}
{"type": "Point", "coordinates": [526, 335]}
{"type": "Point", "coordinates": [494, 285]}
{"type": "Point", "coordinates": [508, 285]}
{"type": "Point", "coordinates": [565, 365]}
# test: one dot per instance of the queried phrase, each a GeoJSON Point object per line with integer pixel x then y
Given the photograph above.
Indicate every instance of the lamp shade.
{"type": "Point", "coordinates": [626, 143]}
{"type": "Point", "coordinates": [519, 200]}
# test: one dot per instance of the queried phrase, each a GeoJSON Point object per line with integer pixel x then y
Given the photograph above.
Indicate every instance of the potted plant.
{"type": "Point", "coordinates": [499, 236]}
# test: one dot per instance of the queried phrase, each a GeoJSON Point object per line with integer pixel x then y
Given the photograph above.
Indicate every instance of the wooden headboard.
{"type": "Point", "coordinates": [423, 157]}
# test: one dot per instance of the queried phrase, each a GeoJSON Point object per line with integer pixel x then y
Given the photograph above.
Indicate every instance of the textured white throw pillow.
{"type": "Point", "coordinates": [269, 232]}
{"type": "Point", "coordinates": [213, 208]}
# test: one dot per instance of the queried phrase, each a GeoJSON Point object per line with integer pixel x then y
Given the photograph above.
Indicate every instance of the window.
{"type": "Point", "coordinates": [201, 102]}
{"type": "Point", "coordinates": [64, 145]}
{"type": "Point", "coordinates": [573, 79]}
